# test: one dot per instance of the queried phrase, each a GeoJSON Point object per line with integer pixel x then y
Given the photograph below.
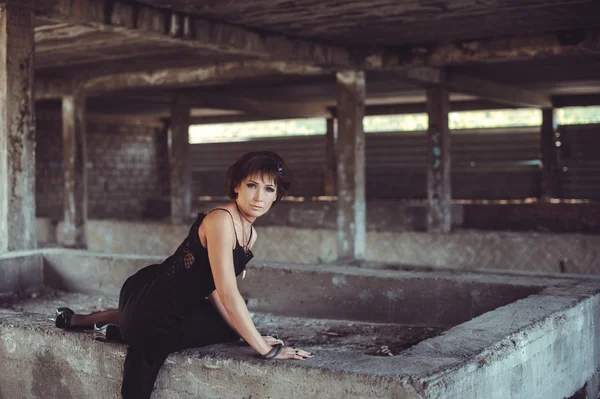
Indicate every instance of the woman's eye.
{"type": "Point", "coordinates": [250, 185]}
{"type": "Point", "coordinates": [271, 189]}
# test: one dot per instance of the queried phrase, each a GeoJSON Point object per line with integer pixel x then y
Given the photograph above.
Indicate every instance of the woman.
{"type": "Point", "coordinates": [192, 298]}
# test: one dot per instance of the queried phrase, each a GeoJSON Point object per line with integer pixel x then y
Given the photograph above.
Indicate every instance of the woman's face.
{"type": "Point", "coordinates": [256, 195]}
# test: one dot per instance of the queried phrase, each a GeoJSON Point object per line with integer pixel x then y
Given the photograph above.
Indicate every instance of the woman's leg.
{"type": "Point", "coordinates": [88, 320]}
{"type": "Point", "coordinates": [139, 372]}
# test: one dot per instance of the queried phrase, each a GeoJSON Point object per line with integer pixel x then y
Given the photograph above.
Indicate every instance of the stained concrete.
{"type": "Point", "coordinates": [17, 128]}
{"type": "Point", "coordinates": [20, 272]}
{"type": "Point", "coordinates": [547, 350]}
{"type": "Point", "coordinates": [383, 296]}
{"type": "Point", "coordinates": [377, 339]}
{"type": "Point", "coordinates": [469, 250]}
{"type": "Point", "coordinates": [544, 345]}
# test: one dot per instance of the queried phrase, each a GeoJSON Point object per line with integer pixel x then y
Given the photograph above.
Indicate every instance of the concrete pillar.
{"type": "Point", "coordinates": [75, 171]}
{"type": "Point", "coordinates": [17, 129]}
{"type": "Point", "coordinates": [179, 164]}
{"type": "Point", "coordinates": [329, 169]}
{"type": "Point", "coordinates": [350, 165]}
{"type": "Point", "coordinates": [439, 215]}
{"type": "Point", "coordinates": [548, 153]}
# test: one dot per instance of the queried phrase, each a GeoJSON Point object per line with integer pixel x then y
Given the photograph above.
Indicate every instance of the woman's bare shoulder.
{"type": "Point", "coordinates": [254, 237]}
{"type": "Point", "coordinates": [216, 221]}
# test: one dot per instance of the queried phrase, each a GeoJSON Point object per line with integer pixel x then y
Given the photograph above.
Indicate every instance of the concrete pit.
{"type": "Point", "coordinates": [377, 333]}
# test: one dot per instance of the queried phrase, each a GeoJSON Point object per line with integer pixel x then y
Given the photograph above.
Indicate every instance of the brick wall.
{"type": "Point", "coordinates": [124, 167]}
{"type": "Point", "coordinates": [48, 162]}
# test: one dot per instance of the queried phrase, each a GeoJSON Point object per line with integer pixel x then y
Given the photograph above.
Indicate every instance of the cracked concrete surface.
{"type": "Point", "coordinates": [375, 339]}
{"type": "Point", "coordinates": [505, 336]}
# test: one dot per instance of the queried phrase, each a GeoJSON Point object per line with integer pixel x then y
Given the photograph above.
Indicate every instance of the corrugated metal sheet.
{"type": "Point", "coordinates": [304, 154]}
{"type": "Point", "coordinates": [579, 162]}
{"type": "Point", "coordinates": [486, 163]}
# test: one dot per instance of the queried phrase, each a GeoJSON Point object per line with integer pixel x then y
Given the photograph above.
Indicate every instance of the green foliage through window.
{"type": "Point", "coordinates": [226, 132]}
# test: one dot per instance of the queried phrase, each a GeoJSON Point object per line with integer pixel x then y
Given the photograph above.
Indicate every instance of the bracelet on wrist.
{"type": "Point", "coordinates": [273, 352]}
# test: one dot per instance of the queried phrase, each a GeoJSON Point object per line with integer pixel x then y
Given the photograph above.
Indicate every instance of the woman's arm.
{"type": "Point", "coordinates": [220, 241]}
{"type": "Point", "coordinates": [216, 302]}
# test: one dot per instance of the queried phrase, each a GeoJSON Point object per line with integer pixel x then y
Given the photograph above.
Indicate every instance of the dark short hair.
{"type": "Point", "coordinates": [262, 163]}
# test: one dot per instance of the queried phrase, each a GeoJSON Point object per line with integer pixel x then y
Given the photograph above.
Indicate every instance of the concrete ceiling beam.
{"type": "Point", "coordinates": [167, 27]}
{"type": "Point", "coordinates": [575, 42]}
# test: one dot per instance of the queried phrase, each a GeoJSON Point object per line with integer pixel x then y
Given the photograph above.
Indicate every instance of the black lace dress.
{"type": "Point", "coordinates": [163, 309]}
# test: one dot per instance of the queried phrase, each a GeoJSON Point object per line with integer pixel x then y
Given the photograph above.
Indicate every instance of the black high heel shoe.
{"type": "Point", "coordinates": [63, 318]}
{"type": "Point", "coordinates": [106, 332]}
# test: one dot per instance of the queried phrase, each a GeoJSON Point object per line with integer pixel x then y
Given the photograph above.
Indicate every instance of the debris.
{"type": "Point", "coordinates": [330, 333]}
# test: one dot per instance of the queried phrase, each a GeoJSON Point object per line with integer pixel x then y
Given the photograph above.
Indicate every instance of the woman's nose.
{"type": "Point", "coordinates": [258, 195]}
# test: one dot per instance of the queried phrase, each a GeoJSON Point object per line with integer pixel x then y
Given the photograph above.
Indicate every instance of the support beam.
{"type": "Point", "coordinates": [549, 154]}
{"type": "Point", "coordinates": [270, 109]}
{"type": "Point", "coordinates": [492, 91]}
{"type": "Point", "coordinates": [171, 28]}
{"type": "Point", "coordinates": [439, 215]}
{"type": "Point", "coordinates": [52, 88]}
{"type": "Point", "coordinates": [175, 77]}
{"type": "Point", "coordinates": [580, 42]}
{"type": "Point", "coordinates": [74, 170]}
{"type": "Point", "coordinates": [482, 88]}
{"type": "Point", "coordinates": [17, 129]}
{"type": "Point", "coordinates": [350, 163]}
{"type": "Point", "coordinates": [179, 164]}
{"type": "Point", "coordinates": [581, 100]}
{"type": "Point", "coordinates": [330, 158]}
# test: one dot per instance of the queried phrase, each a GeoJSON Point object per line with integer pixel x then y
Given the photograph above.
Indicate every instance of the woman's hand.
{"type": "Point", "coordinates": [287, 352]}
{"type": "Point", "coordinates": [272, 341]}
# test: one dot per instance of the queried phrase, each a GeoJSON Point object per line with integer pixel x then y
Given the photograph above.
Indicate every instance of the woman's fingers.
{"type": "Point", "coordinates": [293, 353]}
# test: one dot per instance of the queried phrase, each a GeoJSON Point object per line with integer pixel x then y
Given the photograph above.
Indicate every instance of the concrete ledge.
{"type": "Point", "coordinates": [543, 346]}
{"type": "Point", "coordinates": [90, 272]}
{"type": "Point", "coordinates": [49, 363]}
{"type": "Point", "coordinates": [436, 298]}
{"type": "Point", "coordinates": [463, 249]}
{"type": "Point", "coordinates": [20, 271]}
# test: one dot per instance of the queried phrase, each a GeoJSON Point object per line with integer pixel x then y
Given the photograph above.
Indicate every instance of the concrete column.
{"type": "Point", "coordinates": [329, 169]}
{"type": "Point", "coordinates": [439, 215]}
{"type": "Point", "coordinates": [350, 165]}
{"type": "Point", "coordinates": [548, 153]}
{"type": "Point", "coordinates": [17, 129]}
{"type": "Point", "coordinates": [179, 164]}
{"type": "Point", "coordinates": [75, 171]}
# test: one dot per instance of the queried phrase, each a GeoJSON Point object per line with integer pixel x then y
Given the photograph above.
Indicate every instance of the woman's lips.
{"type": "Point", "coordinates": [255, 207]}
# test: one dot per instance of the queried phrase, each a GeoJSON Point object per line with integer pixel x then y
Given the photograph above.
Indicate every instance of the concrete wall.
{"type": "Point", "coordinates": [437, 298]}
{"type": "Point", "coordinates": [538, 252]}
{"type": "Point", "coordinates": [20, 271]}
{"type": "Point", "coordinates": [123, 167]}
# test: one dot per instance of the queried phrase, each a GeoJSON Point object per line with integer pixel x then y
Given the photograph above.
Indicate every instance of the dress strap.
{"type": "Point", "coordinates": [223, 209]}
{"type": "Point", "coordinates": [250, 239]}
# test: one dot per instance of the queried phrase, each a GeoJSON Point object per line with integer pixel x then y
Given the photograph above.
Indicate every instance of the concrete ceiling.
{"type": "Point", "coordinates": [353, 23]}
{"type": "Point", "coordinates": [273, 54]}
